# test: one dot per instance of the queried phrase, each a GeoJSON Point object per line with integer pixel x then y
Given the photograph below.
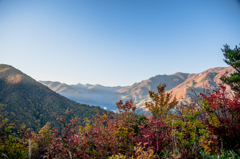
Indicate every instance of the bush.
{"type": "Point", "coordinates": [206, 128]}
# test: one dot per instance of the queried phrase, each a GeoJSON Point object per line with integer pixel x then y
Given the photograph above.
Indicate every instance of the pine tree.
{"type": "Point", "coordinates": [232, 58]}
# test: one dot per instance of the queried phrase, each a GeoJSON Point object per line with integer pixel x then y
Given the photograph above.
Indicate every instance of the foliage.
{"type": "Point", "coordinates": [162, 102]}
{"type": "Point", "coordinates": [100, 138]}
{"type": "Point", "coordinates": [41, 140]}
{"type": "Point", "coordinates": [13, 145]}
{"type": "Point", "coordinates": [223, 155]}
{"type": "Point", "coordinates": [206, 128]}
{"type": "Point", "coordinates": [188, 130]}
{"type": "Point", "coordinates": [232, 58]}
{"type": "Point", "coordinates": [153, 134]}
{"type": "Point", "coordinates": [224, 117]}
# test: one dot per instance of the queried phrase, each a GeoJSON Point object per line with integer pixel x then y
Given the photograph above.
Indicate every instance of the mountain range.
{"type": "Point", "coordinates": [26, 101]}
{"type": "Point", "coordinates": [33, 103]}
{"type": "Point", "coordinates": [182, 85]}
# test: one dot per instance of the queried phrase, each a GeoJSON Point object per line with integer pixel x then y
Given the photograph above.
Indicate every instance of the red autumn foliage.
{"type": "Point", "coordinates": [227, 112]}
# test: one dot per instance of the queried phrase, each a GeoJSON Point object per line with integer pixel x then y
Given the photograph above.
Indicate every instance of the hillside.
{"type": "Point", "coordinates": [28, 101]}
{"type": "Point", "coordinates": [194, 84]}
{"type": "Point", "coordinates": [139, 91]}
{"type": "Point", "coordinates": [181, 84]}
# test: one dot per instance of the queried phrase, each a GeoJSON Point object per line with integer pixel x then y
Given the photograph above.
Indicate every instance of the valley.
{"type": "Point", "coordinates": [183, 85]}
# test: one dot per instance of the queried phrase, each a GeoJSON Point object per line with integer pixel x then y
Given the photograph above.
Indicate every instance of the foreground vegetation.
{"type": "Point", "coordinates": [207, 127]}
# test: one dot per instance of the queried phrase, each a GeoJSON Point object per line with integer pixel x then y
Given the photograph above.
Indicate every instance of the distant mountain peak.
{"type": "Point", "coordinates": [87, 85]}
{"type": "Point", "coordinates": [179, 73]}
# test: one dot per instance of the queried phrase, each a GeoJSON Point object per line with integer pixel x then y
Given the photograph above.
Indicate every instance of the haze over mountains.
{"type": "Point", "coordinates": [181, 84]}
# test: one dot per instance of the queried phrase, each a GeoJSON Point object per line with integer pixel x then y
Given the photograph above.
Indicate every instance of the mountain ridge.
{"type": "Point", "coordinates": [179, 83]}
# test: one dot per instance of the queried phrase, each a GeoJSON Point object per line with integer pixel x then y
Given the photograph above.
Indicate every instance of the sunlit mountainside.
{"type": "Point", "coordinates": [182, 86]}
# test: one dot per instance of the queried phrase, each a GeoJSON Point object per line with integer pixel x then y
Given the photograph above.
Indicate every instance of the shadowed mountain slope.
{"type": "Point", "coordinates": [28, 101]}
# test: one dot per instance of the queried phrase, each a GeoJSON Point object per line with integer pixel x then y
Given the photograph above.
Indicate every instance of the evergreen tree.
{"type": "Point", "coordinates": [232, 58]}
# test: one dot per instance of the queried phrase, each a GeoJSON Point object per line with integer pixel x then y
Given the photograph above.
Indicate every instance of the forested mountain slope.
{"type": "Point", "coordinates": [28, 101]}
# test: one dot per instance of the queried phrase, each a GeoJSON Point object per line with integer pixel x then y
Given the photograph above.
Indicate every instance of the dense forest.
{"type": "Point", "coordinates": [206, 127]}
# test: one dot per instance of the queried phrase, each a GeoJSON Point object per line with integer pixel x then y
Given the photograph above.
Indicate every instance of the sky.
{"type": "Point", "coordinates": [115, 42]}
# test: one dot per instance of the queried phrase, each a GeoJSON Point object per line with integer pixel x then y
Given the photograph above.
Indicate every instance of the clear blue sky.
{"type": "Point", "coordinates": [115, 42]}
